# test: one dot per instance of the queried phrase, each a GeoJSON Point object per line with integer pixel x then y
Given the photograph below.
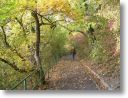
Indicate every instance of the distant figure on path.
{"type": "Point", "coordinates": [73, 53]}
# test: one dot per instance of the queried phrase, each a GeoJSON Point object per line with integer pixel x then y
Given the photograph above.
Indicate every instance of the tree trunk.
{"type": "Point", "coordinates": [37, 52]}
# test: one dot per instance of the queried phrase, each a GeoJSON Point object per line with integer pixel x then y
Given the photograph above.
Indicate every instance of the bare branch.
{"type": "Point", "coordinates": [9, 46]}
{"type": "Point", "coordinates": [45, 18]}
{"type": "Point", "coordinates": [13, 65]}
{"type": "Point", "coordinates": [5, 38]}
{"type": "Point", "coordinates": [21, 24]}
{"type": "Point", "coordinates": [82, 32]}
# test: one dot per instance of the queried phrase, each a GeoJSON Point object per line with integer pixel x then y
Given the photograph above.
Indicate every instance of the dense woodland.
{"type": "Point", "coordinates": [36, 34]}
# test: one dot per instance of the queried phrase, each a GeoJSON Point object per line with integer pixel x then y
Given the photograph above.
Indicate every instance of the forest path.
{"type": "Point", "coordinates": [69, 75]}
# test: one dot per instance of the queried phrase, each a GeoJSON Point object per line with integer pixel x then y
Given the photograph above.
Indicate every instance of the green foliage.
{"type": "Point", "coordinates": [60, 22]}
{"type": "Point", "coordinates": [52, 47]}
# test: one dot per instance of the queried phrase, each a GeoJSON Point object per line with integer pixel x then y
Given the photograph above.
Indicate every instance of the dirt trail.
{"type": "Point", "coordinates": [69, 75]}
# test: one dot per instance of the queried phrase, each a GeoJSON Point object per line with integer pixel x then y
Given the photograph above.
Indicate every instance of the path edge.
{"type": "Point", "coordinates": [102, 85]}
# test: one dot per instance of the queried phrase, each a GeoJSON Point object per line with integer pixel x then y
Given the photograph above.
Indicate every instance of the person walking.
{"type": "Point", "coordinates": [73, 53]}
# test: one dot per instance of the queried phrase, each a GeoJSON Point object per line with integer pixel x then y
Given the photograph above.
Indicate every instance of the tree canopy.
{"type": "Point", "coordinates": [35, 33]}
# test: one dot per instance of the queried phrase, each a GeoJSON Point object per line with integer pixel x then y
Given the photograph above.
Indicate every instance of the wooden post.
{"type": "Point", "coordinates": [25, 84]}
{"type": "Point", "coordinates": [42, 76]}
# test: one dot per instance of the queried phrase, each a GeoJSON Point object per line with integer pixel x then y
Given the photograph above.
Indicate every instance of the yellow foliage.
{"type": "Point", "coordinates": [48, 6]}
